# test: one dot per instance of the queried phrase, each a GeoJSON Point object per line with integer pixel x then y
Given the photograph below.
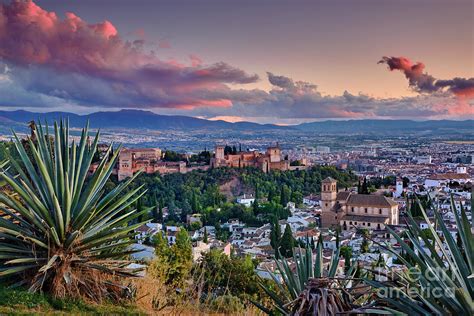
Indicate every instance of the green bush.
{"type": "Point", "coordinates": [227, 304]}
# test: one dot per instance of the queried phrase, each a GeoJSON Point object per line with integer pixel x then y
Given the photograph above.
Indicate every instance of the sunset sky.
{"type": "Point", "coordinates": [262, 60]}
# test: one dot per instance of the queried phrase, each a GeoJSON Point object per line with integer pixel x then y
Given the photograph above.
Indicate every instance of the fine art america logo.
{"type": "Point", "coordinates": [420, 283]}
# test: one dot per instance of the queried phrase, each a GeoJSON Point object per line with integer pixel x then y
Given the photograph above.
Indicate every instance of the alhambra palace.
{"type": "Point", "coordinates": [270, 160]}
{"type": "Point", "coordinates": [149, 160]}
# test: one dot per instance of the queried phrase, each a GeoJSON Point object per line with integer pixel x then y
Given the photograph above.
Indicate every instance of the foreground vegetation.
{"type": "Point", "coordinates": [59, 233]}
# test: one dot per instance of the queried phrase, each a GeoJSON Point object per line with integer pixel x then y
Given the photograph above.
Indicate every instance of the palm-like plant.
{"type": "Point", "coordinates": [440, 278]}
{"type": "Point", "coordinates": [310, 289]}
{"type": "Point", "coordinates": [61, 232]}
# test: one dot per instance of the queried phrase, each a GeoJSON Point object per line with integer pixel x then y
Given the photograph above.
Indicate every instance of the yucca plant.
{"type": "Point", "coordinates": [61, 232]}
{"type": "Point", "coordinates": [439, 277]}
{"type": "Point", "coordinates": [310, 289]}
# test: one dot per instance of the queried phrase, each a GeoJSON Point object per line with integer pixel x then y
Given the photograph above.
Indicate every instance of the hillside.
{"type": "Point", "coordinates": [131, 119]}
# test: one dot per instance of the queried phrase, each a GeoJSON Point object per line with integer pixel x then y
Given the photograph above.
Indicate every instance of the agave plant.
{"type": "Point", "coordinates": [61, 232]}
{"type": "Point", "coordinates": [310, 289]}
{"type": "Point", "coordinates": [439, 278]}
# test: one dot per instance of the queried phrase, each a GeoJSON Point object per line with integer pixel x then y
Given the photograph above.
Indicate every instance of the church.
{"type": "Point", "coordinates": [349, 209]}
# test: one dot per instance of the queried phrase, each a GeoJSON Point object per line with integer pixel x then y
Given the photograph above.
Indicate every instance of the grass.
{"type": "Point", "coordinates": [21, 302]}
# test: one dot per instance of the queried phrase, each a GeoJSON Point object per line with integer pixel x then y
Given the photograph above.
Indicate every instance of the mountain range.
{"type": "Point", "coordinates": [137, 119]}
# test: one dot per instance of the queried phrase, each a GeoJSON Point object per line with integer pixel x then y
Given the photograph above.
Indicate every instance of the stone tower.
{"type": "Point", "coordinates": [328, 201]}
{"type": "Point", "coordinates": [219, 152]}
{"type": "Point", "coordinates": [274, 153]}
{"type": "Point", "coordinates": [399, 188]}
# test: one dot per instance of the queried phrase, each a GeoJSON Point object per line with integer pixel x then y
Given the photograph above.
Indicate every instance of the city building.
{"type": "Point", "coordinates": [349, 209]}
{"type": "Point", "coordinates": [444, 179]}
{"type": "Point", "coordinates": [270, 160]}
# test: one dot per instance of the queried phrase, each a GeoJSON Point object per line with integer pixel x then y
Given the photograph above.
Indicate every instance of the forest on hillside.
{"type": "Point", "coordinates": [201, 192]}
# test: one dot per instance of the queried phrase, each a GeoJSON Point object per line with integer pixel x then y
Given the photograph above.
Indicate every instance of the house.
{"type": "Point", "coordinates": [246, 200]}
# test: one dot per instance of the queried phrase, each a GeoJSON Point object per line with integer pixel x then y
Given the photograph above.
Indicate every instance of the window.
{"type": "Point", "coordinates": [352, 209]}
{"type": "Point", "coordinates": [363, 224]}
{"type": "Point", "coordinates": [380, 211]}
{"type": "Point", "coordinates": [326, 204]}
{"type": "Point", "coordinates": [355, 223]}
{"type": "Point", "coordinates": [350, 223]}
{"type": "Point", "coordinates": [366, 210]}
{"type": "Point", "coordinates": [378, 226]}
{"type": "Point", "coordinates": [368, 224]}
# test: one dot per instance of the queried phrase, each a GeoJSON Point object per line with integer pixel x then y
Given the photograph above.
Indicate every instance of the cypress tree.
{"type": "Point", "coordinates": [204, 239]}
{"type": "Point", "coordinates": [275, 236]}
{"type": "Point", "coordinates": [287, 242]}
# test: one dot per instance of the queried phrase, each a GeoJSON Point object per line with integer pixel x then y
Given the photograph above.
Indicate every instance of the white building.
{"type": "Point", "coordinates": [422, 159]}
{"type": "Point", "coordinates": [246, 200]}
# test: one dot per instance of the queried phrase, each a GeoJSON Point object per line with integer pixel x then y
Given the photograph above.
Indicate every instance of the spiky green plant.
{"type": "Point", "coordinates": [438, 280]}
{"type": "Point", "coordinates": [61, 233]}
{"type": "Point", "coordinates": [310, 288]}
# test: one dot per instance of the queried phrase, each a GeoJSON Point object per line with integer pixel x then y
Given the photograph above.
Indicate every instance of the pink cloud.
{"type": "Point", "coordinates": [33, 37]}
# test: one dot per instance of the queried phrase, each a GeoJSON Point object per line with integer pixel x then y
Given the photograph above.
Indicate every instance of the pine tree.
{"type": "Point", "coordinates": [287, 242]}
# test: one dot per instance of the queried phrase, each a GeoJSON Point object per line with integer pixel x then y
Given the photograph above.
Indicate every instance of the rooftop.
{"type": "Point", "coordinates": [370, 200]}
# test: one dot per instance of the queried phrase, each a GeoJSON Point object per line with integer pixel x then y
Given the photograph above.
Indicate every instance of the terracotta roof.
{"type": "Point", "coordinates": [370, 200]}
{"type": "Point", "coordinates": [449, 176]}
{"type": "Point", "coordinates": [343, 195]}
{"type": "Point", "coordinates": [337, 207]}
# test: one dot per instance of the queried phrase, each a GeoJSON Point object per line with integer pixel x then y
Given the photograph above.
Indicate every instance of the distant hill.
{"type": "Point", "coordinates": [133, 119]}
{"type": "Point", "coordinates": [387, 126]}
{"type": "Point", "coordinates": [137, 119]}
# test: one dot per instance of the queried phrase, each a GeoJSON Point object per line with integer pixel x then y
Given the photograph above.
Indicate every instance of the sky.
{"type": "Point", "coordinates": [267, 61]}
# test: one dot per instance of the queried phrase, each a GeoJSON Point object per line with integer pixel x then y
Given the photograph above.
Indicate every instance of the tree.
{"type": "Point", "coordinates": [62, 235]}
{"type": "Point", "coordinates": [220, 274]}
{"type": "Point", "coordinates": [204, 239]}
{"type": "Point", "coordinates": [195, 205]}
{"type": "Point", "coordinates": [255, 207]}
{"type": "Point", "coordinates": [364, 248]}
{"type": "Point", "coordinates": [284, 195]}
{"type": "Point", "coordinates": [365, 187]}
{"type": "Point", "coordinates": [275, 236]}
{"type": "Point", "coordinates": [172, 264]}
{"type": "Point", "coordinates": [287, 242]}
{"type": "Point", "coordinates": [346, 252]}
